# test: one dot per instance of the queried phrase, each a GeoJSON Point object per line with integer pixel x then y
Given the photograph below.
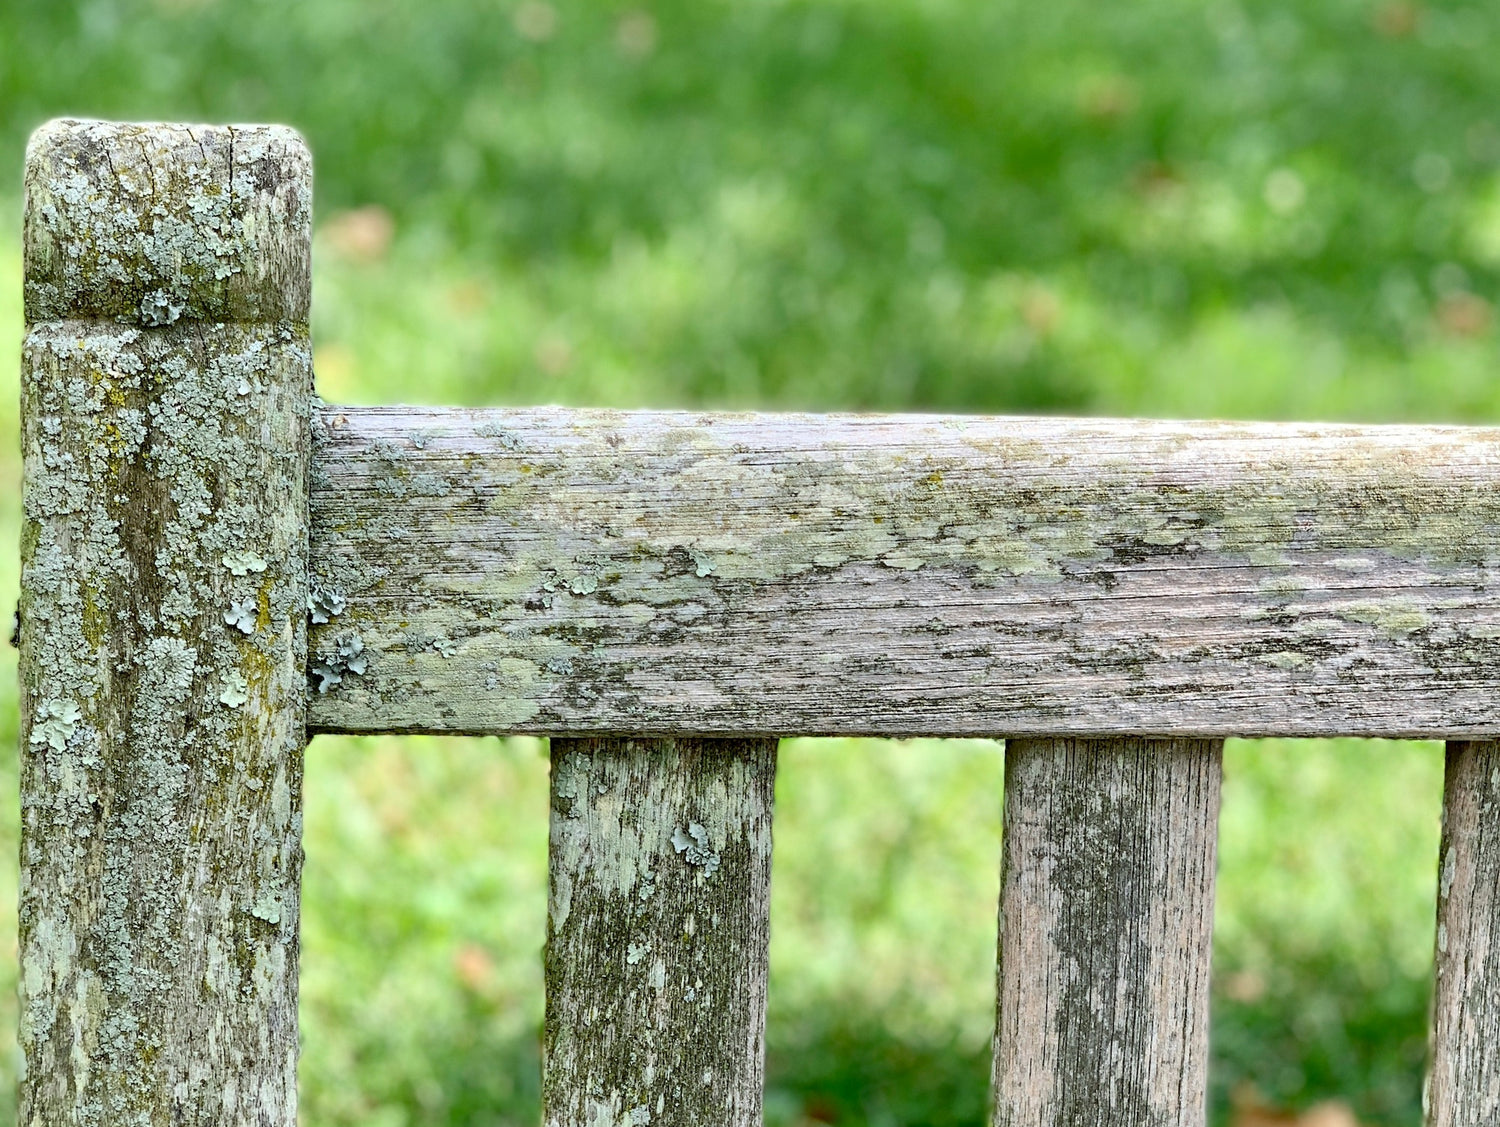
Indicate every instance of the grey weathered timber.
{"type": "Point", "coordinates": [660, 873]}
{"type": "Point", "coordinates": [1463, 1083]}
{"type": "Point", "coordinates": [1106, 921]}
{"type": "Point", "coordinates": [572, 571]}
{"type": "Point", "coordinates": [166, 382]}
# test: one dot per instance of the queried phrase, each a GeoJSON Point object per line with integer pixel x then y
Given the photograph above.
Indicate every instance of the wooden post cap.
{"type": "Point", "coordinates": [149, 224]}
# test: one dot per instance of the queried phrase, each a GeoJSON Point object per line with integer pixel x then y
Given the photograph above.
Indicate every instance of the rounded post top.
{"type": "Point", "coordinates": [153, 223]}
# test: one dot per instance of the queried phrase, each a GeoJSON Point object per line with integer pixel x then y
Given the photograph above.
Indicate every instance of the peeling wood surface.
{"type": "Point", "coordinates": [1463, 1083]}
{"type": "Point", "coordinates": [660, 872]}
{"type": "Point", "coordinates": [571, 571]}
{"type": "Point", "coordinates": [163, 630]}
{"type": "Point", "coordinates": [1106, 927]}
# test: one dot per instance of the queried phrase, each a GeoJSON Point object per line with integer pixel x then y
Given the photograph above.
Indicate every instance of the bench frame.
{"type": "Point", "coordinates": [215, 564]}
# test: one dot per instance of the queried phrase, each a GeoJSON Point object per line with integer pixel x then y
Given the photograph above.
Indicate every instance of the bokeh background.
{"type": "Point", "coordinates": [1250, 208]}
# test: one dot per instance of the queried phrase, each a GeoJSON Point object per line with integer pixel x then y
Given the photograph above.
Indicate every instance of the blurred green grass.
{"type": "Point", "coordinates": [1175, 207]}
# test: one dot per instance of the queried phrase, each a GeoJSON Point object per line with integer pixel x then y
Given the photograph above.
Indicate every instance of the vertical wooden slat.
{"type": "Point", "coordinates": [1106, 919]}
{"type": "Point", "coordinates": [1463, 1083]}
{"type": "Point", "coordinates": [660, 867]}
{"type": "Point", "coordinates": [166, 386]}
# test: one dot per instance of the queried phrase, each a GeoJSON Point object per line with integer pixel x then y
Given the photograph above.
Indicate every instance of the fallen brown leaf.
{"type": "Point", "coordinates": [361, 235]}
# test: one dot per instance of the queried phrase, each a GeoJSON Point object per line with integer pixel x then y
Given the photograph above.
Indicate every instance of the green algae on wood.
{"type": "Point", "coordinates": [162, 748]}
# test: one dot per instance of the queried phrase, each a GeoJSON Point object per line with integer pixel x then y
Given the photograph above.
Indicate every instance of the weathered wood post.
{"type": "Point", "coordinates": [1463, 1082]}
{"type": "Point", "coordinates": [166, 383]}
{"type": "Point", "coordinates": [1106, 932]}
{"type": "Point", "coordinates": [657, 933]}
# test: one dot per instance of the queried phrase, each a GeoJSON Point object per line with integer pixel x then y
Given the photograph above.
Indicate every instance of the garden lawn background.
{"type": "Point", "coordinates": [1168, 207]}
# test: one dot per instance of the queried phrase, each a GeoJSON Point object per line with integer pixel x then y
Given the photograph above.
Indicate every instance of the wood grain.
{"type": "Point", "coordinates": [573, 572]}
{"type": "Point", "coordinates": [163, 643]}
{"type": "Point", "coordinates": [1106, 928]}
{"type": "Point", "coordinates": [660, 872]}
{"type": "Point", "coordinates": [1463, 1083]}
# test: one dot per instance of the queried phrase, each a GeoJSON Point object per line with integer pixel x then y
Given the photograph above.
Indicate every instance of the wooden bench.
{"type": "Point", "coordinates": [216, 564]}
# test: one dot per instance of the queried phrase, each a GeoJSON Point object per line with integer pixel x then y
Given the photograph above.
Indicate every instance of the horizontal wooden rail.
{"type": "Point", "coordinates": [576, 572]}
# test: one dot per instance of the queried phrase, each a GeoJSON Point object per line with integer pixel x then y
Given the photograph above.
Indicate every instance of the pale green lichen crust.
{"type": "Point", "coordinates": [165, 483]}
{"type": "Point", "coordinates": [148, 224]}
